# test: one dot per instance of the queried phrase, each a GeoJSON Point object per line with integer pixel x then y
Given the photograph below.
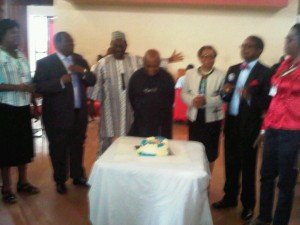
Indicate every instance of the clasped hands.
{"type": "Point", "coordinates": [198, 101]}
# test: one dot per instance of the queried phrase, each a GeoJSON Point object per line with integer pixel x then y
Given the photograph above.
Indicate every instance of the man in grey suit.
{"type": "Point", "coordinates": [62, 79]}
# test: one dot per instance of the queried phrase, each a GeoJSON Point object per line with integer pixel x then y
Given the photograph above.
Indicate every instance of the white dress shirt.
{"type": "Point", "coordinates": [243, 76]}
{"type": "Point", "coordinates": [68, 61]}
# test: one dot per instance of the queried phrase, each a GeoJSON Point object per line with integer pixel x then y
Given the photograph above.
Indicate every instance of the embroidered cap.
{"type": "Point", "coordinates": [117, 35]}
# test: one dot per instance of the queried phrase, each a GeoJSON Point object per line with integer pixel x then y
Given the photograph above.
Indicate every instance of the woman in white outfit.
{"type": "Point", "coordinates": [201, 92]}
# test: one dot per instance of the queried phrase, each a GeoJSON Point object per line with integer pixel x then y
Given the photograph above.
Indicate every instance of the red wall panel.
{"type": "Point", "coordinates": [274, 3]}
{"type": "Point", "coordinates": [254, 3]}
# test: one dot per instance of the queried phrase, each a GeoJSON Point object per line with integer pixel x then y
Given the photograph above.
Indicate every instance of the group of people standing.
{"type": "Point", "coordinates": [258, 102]}
{"type": "Point", "coordinates": [118, 95]}
{"type": "Point", "coordinates": [245, 89]}
{"type": "Point", "coordinates": [61, 79]}
{"type": "Point", "coordinates": [137, 95]}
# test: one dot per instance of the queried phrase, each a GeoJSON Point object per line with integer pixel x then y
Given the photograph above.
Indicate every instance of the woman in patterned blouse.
{"type": "Point", "coordinates": [15, 95]}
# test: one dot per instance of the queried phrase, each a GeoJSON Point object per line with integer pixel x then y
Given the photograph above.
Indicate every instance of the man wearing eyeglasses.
{"type": "Point", "coordinates": [246, 91]}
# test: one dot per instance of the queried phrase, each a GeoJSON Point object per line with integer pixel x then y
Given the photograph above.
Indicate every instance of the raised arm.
{"type": "Point", "coordinates": [175, 57]}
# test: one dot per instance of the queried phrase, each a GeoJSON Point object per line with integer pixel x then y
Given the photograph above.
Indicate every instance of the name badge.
{"type": "Point", "coordinates": [273, 91]}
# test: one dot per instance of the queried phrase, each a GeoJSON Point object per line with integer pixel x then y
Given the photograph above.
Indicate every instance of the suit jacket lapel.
{"type": "Point", "coordinates": [253, 73]}
{"type": "Point", "coordinates": [59, 65]}
{"type": "Point", "coordinates": [196, 83]}
{"type": "Point", "coordinates": [236, 73]}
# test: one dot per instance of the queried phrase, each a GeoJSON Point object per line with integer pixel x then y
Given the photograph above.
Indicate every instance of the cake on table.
{"type": "Point", "coordinates": [154, 146]}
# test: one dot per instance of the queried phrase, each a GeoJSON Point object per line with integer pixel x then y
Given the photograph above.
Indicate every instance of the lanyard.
{"type": "Point", "coordinates": [273, 90]}
{"type": "Point", "coordinates": [288, 72]}
{"type": "Point", "coordinates": [203, 81]}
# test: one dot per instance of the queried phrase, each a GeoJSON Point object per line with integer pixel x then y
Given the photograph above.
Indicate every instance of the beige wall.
{"type": "Point", "coordinates": [182, 28]}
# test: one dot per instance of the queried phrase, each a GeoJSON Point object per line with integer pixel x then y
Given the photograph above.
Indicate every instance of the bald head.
{"type": "Point", "coordinates": [151, 62]}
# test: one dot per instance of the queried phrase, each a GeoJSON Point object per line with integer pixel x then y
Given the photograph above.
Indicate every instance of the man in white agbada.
{"type": "Point", "coordinates": [113, 73]}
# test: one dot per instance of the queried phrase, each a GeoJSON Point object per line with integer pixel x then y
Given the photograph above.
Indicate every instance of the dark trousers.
{"type": "Point", "coordinates": [280, 159]}
{"type": "Point", "coordinates": [147, 126]}
{"type": "Point", "coordinates": [206, 133]}
{"type": "Point", "coordinates": [66, 150]}
{"type": "Point", "coordinates": [240, 159]}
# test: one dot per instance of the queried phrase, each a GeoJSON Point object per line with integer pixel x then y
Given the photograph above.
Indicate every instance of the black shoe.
{"type": "Point", "coordinates": [81, 182]}
{"type": "Point", "coordinates": [61, 188]}
{"type": "Point", "coordinates": [223, 204]}
{"type": "Point", "coordinates": [247, 214]}
{"type": "Point", "coordinates": [27, 188]}
{"type": "Point", "coordinates": [9, 197]}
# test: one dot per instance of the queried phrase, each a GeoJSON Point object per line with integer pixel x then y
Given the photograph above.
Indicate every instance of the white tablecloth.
{"type": "Point", "coordinates": [127, 189]}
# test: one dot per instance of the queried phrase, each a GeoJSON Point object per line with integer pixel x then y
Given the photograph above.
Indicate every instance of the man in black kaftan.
{"type": "Point", "coordinates": [151, 94]}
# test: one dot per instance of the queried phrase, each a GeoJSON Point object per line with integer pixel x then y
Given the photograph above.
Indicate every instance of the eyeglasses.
{"type": "Point", "coordinates": [207, 56]}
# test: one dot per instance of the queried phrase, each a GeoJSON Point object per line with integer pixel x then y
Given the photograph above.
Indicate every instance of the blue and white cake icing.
{"type": "Point", "coordinates": [154, 146]}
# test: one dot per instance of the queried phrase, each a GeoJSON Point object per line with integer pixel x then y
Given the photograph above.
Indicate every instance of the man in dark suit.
{"type": "Point", "coordinates": [246, 90]}
{"type": "Point", "coordinates": [62, 79]}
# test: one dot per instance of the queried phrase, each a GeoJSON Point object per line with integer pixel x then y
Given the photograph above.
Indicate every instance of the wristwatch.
{"type": "Point", "coordinates": [84, 71]}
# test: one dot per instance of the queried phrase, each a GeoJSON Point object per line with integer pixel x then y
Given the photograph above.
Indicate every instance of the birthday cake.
{"type": "Point", "coordinates": [154, 146]}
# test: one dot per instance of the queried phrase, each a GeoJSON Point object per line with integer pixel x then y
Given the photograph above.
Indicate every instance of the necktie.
{"type": "Point", "coordinates": [75, 83]}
